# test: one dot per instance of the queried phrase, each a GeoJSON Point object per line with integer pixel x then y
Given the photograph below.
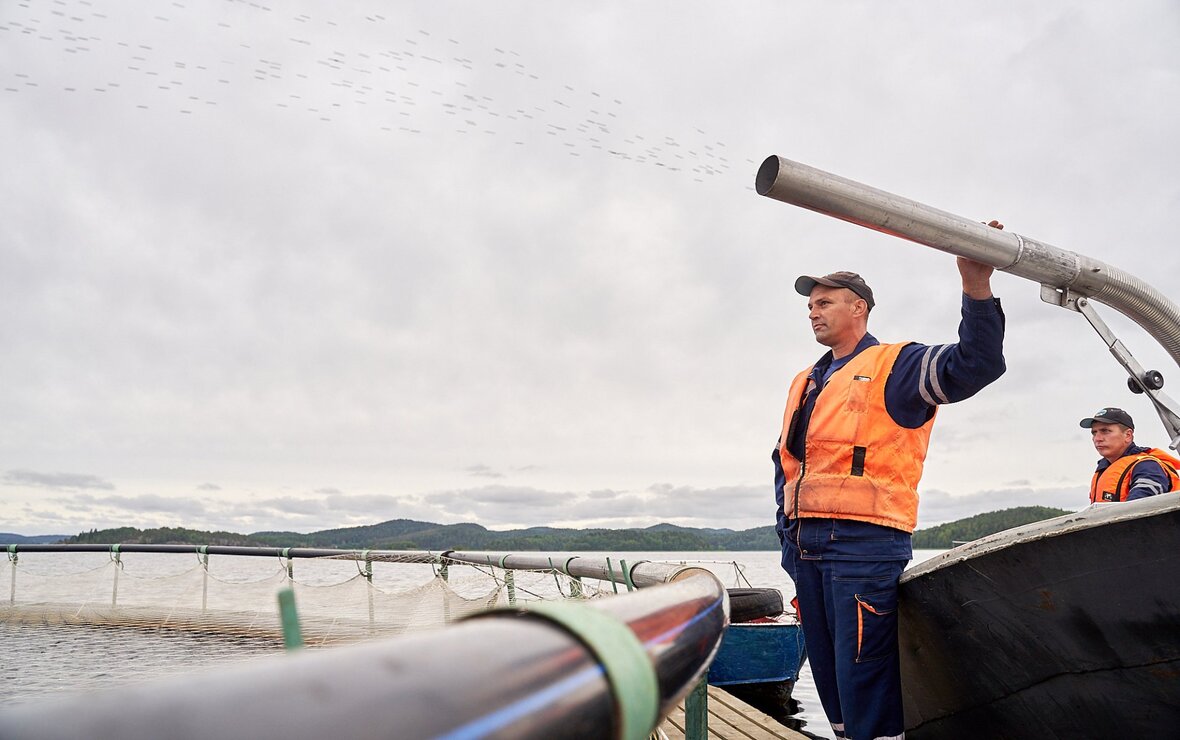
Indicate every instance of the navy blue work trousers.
{"type": "Point", "coordinates": [849, 613]}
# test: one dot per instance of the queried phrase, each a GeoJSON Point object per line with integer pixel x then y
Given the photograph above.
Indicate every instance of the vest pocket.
{"type": "Point", "coordinates": [876, 625]}
{"type": "Point", "coordinates": [858, 394]}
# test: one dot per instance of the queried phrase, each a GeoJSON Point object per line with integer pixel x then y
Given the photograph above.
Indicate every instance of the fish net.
{"type": "Point", "coordinates": [83, 620]}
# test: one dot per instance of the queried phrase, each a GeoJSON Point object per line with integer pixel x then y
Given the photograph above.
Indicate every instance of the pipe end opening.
{"type": "Point", "coordinates": [767, 174]}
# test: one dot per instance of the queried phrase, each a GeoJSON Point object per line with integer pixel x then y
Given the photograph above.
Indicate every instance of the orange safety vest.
{"type": "Point", "coordinates": [860, 464]}
{"type": "Point", "coordinates": [1114, 483]}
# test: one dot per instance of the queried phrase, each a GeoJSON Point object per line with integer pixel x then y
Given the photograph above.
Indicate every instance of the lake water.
{"type": "Point", "coordinates": [42, 657]}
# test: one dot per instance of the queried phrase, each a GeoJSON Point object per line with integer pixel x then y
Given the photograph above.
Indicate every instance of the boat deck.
{"type": "Point", "coordinates": [730, 719]}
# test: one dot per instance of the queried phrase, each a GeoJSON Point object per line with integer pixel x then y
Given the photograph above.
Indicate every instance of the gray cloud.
{"type": "Point", "coordinates": [483, 471]}
{"type": "Point", "coordinates": [292, 505]}
{"type": "Point", "coordinates": [48, 516]}
{"type": "Point", "coordinates": [62, 481]}
{"type": "Point", "coordinates": [153, 503]}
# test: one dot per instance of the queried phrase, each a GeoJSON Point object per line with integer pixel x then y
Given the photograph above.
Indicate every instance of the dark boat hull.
{"type": "Point", "coordinates": [1068, 628]}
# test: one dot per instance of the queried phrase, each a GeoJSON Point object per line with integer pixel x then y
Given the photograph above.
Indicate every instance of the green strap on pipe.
{"type": "Point", "coordinates": [625, 663]}
{"type": "Point", "coordinates": [503, 559]}
{"type": "Point", "coordinates": [575, 581]}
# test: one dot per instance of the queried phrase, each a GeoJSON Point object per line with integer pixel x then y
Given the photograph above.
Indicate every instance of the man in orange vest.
{"type": "Point", "coordinates": [847, 467]}
{"type": "Point", "coordinates": [1126, 471]}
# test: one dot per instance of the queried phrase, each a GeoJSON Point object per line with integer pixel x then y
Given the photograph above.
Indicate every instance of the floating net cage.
{"type": "Point", "coordinates": [82, 620]}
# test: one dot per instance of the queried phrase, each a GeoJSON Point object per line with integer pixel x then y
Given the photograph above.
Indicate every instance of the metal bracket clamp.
{"type": "Point", "coordinates": [625, 663]}
{"type": "Point", "coordinates": [1167, 409]}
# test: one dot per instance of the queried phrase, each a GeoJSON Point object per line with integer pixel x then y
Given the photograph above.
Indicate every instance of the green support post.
{"type": "Point", "coordinates": [292, 633]}
{"type": "Point", "coordinates": [626, 575]}
{"type": "Point", "coordinates": [696, 712]}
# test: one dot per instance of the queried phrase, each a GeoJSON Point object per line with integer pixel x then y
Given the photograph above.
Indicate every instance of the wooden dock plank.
{"type": "Point", "coordinates": [730, 719]}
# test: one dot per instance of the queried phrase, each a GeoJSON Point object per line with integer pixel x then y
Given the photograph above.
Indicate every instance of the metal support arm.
{"type": "Point", "coordinates": [1067, 277]}
{"type": "Point", "coordinates": [1168, 410]}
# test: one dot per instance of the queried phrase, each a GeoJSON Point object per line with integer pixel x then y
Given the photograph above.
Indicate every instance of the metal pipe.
{"type": "Point", "coordinates": [454, 682]}
{"type": "Point", "coordinates": [1060, 269]}
{"type": "Point", "coordinates": [401, 556]}
{"type": "Point", "coordinates": [642, 574]}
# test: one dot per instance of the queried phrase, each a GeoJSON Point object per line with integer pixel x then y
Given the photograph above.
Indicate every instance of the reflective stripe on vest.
{"type": "Point", "coordinates": [1114, 483]}
{"type": "Point", "coordinates": [860, 464]}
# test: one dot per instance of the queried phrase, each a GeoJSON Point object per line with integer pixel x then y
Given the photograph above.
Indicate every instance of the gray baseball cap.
{"type": "Point", "coordinates": [842, 279]}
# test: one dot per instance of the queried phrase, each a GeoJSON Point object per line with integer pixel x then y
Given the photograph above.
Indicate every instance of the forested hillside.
{"type": "Point", "coordinates": [972, 528]}
{"type": "Point", "coordinates": [407, 534]}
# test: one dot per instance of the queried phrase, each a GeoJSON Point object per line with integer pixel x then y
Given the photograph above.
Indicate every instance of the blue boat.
{"type": "Point", "coordinates": [769, 650]}
{"type": "Point", "coordinates": [759, 662]}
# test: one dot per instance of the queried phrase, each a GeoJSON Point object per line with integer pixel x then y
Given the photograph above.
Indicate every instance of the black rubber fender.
{"type": "Point", "coordinates": [746, 604]}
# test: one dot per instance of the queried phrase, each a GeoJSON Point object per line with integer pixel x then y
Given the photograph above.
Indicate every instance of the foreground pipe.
{"type": "Point", "coordinates": [503, 675]}
{"type": "Point", "coordinates": [1057, 268]}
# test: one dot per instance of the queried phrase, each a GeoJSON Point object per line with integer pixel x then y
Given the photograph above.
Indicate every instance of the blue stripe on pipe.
{"type": "Point", "coordinates": [506, 716]}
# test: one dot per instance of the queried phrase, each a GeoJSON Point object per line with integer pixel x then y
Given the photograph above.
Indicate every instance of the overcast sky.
{"type": "Point", "coordinates": [303, 266]}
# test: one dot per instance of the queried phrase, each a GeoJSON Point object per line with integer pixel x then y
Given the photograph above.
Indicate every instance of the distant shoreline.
{"type": "Point", "coordinates": [407, 534]}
